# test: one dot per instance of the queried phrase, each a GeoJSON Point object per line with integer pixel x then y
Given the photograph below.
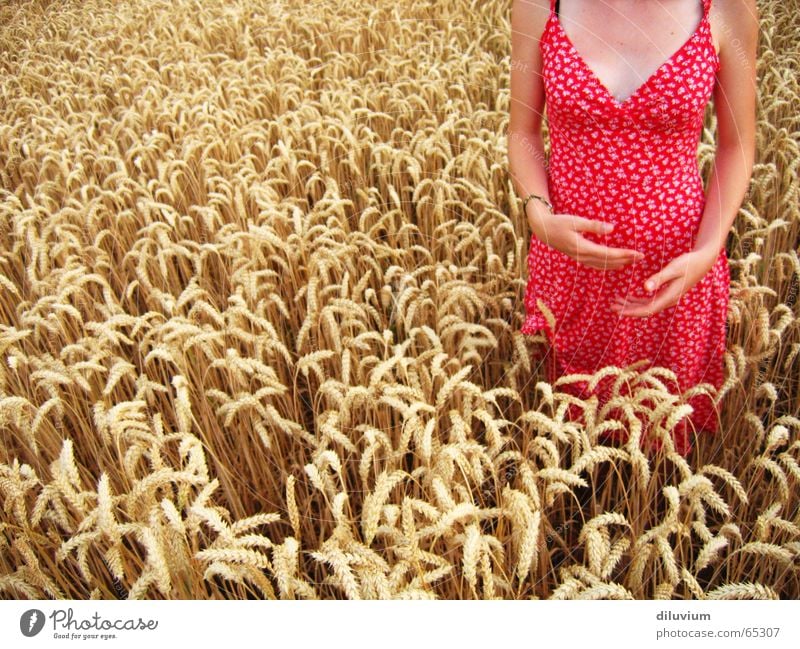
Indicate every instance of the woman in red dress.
{"type": "Point", "coordinates": [628, 249]}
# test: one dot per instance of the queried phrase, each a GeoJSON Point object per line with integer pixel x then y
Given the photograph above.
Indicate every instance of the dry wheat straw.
{"type": "Point", "coordinates": [259, 290]}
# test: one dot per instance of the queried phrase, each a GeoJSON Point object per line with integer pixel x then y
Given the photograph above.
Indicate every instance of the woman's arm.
{"type": "Point", "coordinates": [526, 157]}
{"type": "Point", "coordinates": [735, 104]}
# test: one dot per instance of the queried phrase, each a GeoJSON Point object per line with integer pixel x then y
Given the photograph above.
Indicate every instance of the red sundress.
{"type": "Point", "coordinates": [631, 162]}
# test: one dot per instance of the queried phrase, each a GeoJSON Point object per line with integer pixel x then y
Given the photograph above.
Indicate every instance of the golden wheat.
{"type": "Point", "coordinates": [279, 270]}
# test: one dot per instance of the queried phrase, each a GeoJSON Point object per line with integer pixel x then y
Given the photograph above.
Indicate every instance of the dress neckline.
{"type": "Point", "coordinates": [624, 103]}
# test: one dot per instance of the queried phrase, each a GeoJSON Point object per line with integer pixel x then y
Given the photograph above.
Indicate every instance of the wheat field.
{"type": "Point", "coordinates": [261, 279]}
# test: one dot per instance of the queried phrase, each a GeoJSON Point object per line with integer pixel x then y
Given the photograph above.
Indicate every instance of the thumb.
{"type": "Point", "coordinates": [657, 279]}
{"type": "Point", "coordinates": [672, 270]}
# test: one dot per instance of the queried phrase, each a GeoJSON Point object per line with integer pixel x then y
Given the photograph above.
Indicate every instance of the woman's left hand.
{"type": "Point", "coordinates": [678, 278]}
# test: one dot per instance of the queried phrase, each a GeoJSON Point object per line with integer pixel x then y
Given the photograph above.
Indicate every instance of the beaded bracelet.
{"type": "Point", "coordinates": [541, 198]}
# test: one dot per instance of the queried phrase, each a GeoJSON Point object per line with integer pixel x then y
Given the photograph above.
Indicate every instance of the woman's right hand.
{"type": "Point", "coordinates": [563, 232]}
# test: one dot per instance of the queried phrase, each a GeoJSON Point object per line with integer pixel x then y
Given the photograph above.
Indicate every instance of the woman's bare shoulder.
{"type": "Point", "coordinates": [528, 17]}
{"type": "Point", "coordinates": [730, 7]}
{"type": "Point", "coordinates": [730, 13]}
{"type": "Point", "coordinates": [734, 23]}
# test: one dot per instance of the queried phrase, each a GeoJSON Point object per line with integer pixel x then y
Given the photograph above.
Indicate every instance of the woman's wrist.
{"type": "Point", "coordinates": [536, 197]}
{"type": "Point", "coordinates": [708, 252]}
{"type": "Point", "coordinates": [537, 214]}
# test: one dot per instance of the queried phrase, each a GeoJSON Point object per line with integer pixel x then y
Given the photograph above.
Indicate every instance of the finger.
{"type": "Point", "coordinates": [630, 299]}
{"type": "Point", "coordinates": [632, 307]}
{"type": "Point", "coordinates": [665, 299]}
{"type": "Point", "coordinates": [606, 261]}
{"type": "Point", "coordinates": [647, 301]}
{"type": "Point", "coordinates": [601, 262]}
{"type": "Point", "coordinates": [634, 310]}
{"type": "Point", "coordinates": [591, 225]}
{"type": "Point", "coordinates": [607, 252]}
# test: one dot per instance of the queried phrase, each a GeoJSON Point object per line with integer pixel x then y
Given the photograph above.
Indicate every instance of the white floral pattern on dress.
{"type": "Point", "coordinates": [632, 163]}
